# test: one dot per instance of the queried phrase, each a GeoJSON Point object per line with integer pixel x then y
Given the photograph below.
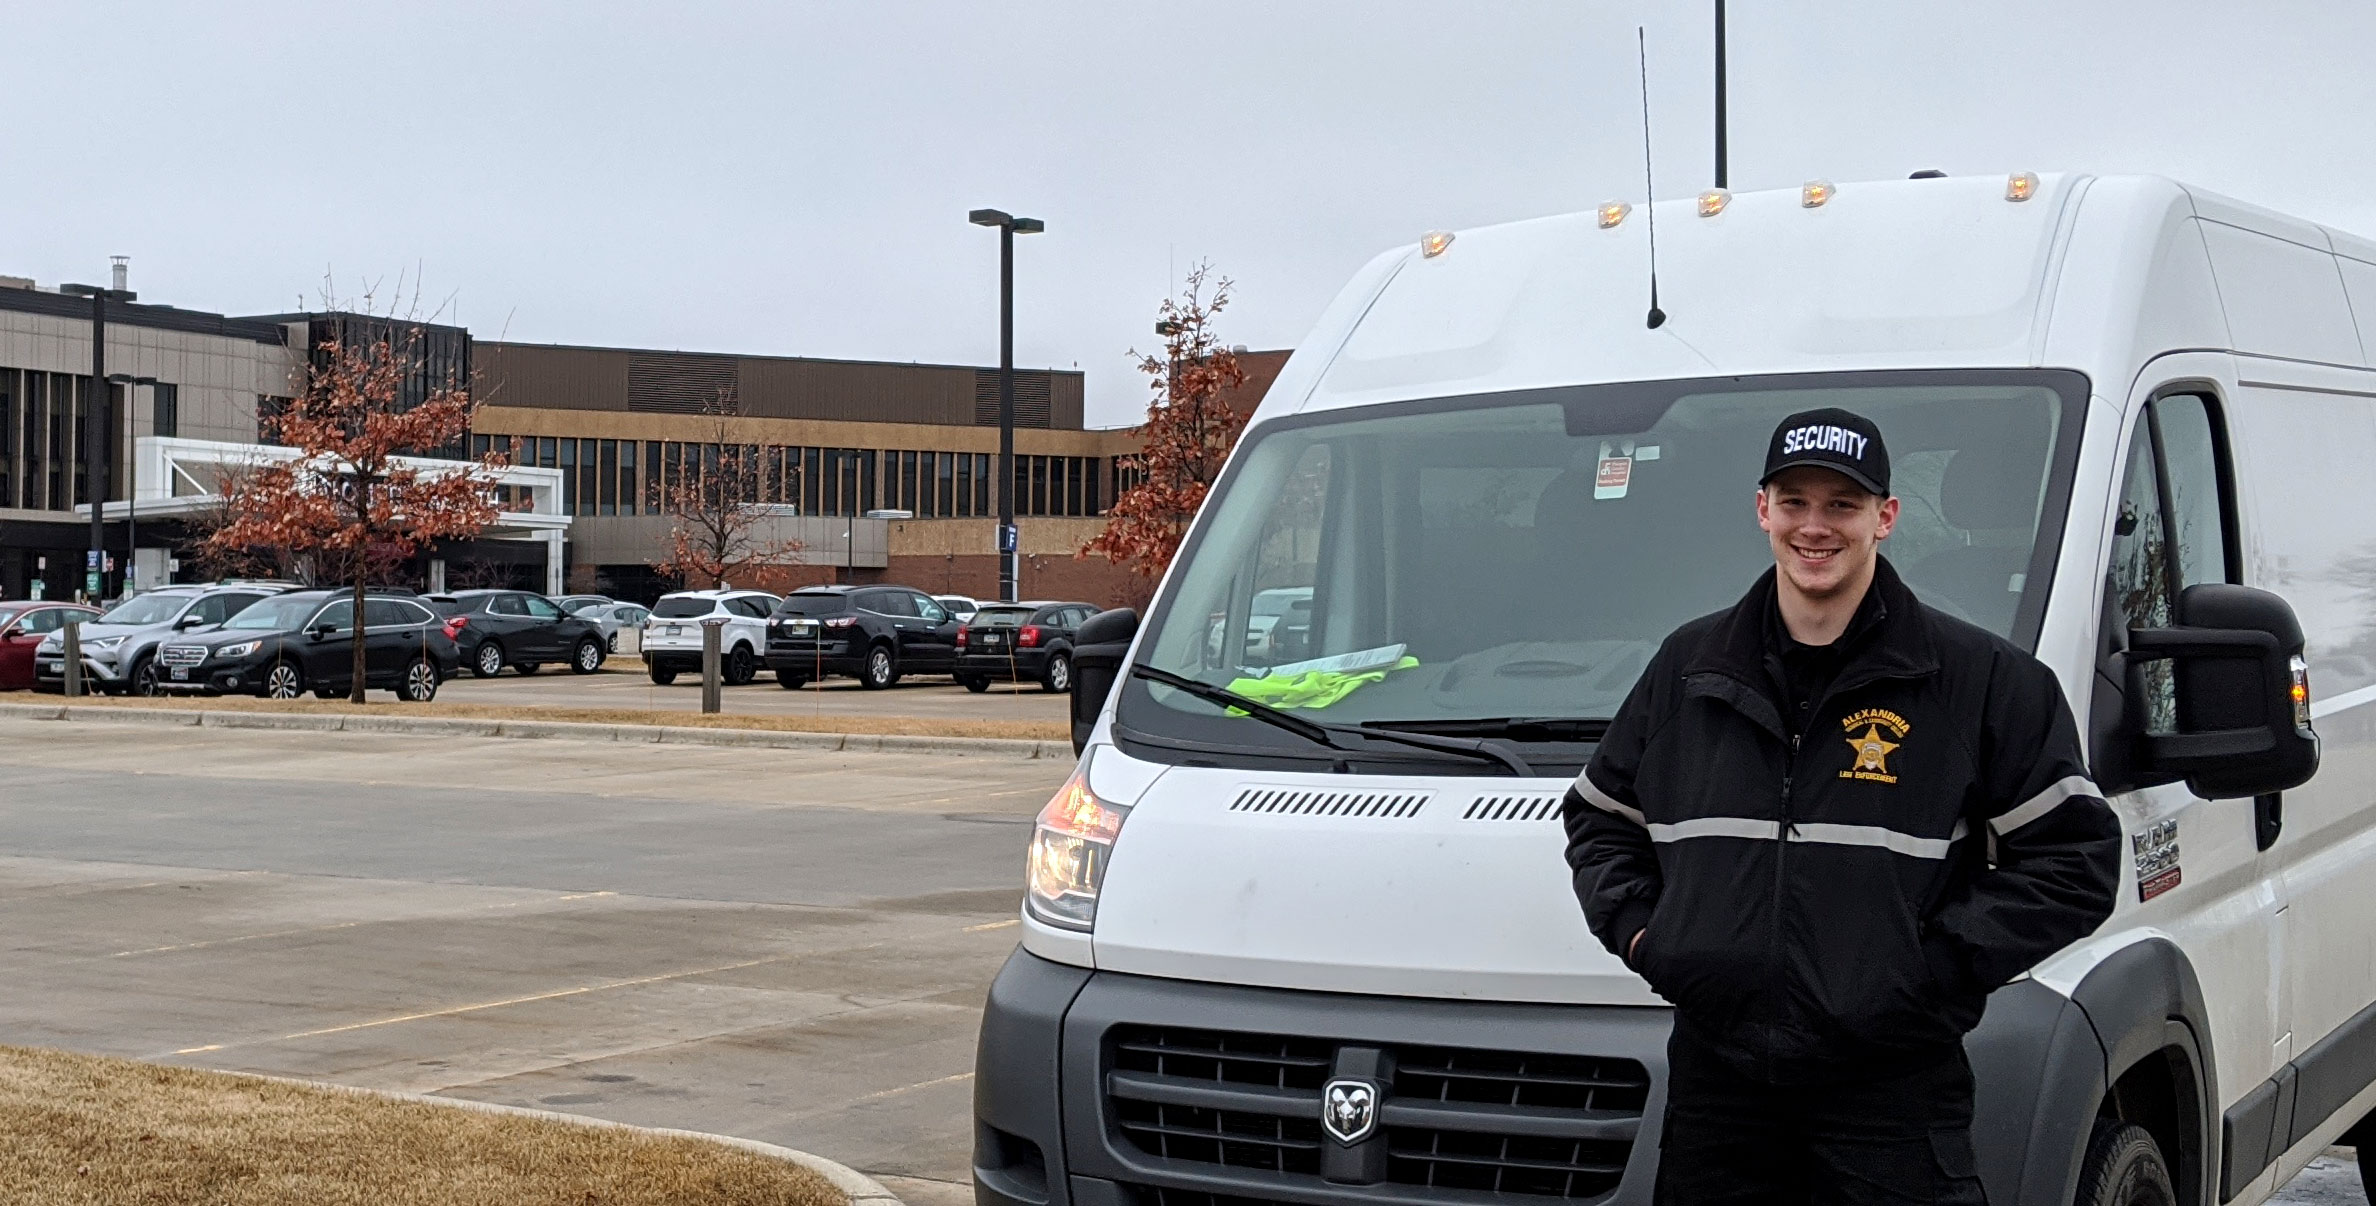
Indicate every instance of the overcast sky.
{"type": "Point", "coordinates": [793, 178]}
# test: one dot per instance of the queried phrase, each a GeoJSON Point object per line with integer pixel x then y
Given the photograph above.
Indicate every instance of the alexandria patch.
{"type": "Point", "coordinates": [1875, 734]}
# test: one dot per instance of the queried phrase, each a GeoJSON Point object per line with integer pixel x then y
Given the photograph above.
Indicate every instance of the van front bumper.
{"type": "Point", "coordinates": [1097, 1089]}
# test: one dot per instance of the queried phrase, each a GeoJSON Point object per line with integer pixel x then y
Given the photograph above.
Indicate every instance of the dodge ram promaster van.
{"type": "Point", "coordinates": [1330, 953]}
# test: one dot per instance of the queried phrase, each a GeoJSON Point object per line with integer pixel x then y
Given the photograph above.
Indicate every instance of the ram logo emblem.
{"type": "Point", "coordinates": [1349, 1110]}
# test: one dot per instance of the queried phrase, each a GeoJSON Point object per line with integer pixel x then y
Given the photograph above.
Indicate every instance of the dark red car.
{"type": "Point", "coordinates": [22, 625]}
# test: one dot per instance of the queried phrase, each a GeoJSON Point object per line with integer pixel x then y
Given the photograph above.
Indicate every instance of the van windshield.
{"type": "Point", "coordinates": [1439, 564]}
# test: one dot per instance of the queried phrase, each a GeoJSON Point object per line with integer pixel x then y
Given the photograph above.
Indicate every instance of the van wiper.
{"type": "Point", "coordinates": [1519, 728]}
{"type": "Point", "coordinates": [1327, 734]}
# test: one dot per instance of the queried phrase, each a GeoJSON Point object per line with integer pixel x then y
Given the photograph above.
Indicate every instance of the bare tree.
{"type": "Point", "coordinates": [718, 529]}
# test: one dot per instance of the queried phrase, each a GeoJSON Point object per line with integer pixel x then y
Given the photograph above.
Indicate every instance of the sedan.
{"type": "Point", "coordinates": [22, 627]}
{"type": "Point", "coordinates": [612, 618]}
{"type": "Point", "coordinates": [1017, 642]}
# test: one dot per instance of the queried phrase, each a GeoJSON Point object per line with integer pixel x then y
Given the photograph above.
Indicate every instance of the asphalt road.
{"type": "Point", "coordinates": [784, 945]}
{"type": "Point", "coordinates": [625, 685]}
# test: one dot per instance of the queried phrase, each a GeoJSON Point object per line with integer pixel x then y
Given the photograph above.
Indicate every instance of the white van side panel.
{"type": "Point", "coordinates": [2292, 424]}
{"type": "Point", "coordinates": [2282, 298]}
{"type": "Point", "coordinates": [2136, 284]}
{"type": "Point", "coordinates": [2359, 285]}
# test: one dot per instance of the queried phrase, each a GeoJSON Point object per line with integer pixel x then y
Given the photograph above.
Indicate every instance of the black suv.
{"type": "Point", "coordinates": [305, 641]}
{"type": "Point", "coordinates": [1018, 642]}
{"type": "Point", "coordinates": [522, 630]}
{"type": "Point", "coordinates": [872, 633]}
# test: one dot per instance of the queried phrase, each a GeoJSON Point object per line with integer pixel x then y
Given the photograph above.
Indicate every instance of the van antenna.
{"type": "Point", "coordinates": [1649, 190]}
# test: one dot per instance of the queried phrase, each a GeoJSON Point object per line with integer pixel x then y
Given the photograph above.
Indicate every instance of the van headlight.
{"type": "Point", "coordinates": [1070, 845]}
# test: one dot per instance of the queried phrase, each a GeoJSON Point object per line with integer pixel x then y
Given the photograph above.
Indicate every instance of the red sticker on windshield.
{"type": "Point", "coordinates": [1615, 473]}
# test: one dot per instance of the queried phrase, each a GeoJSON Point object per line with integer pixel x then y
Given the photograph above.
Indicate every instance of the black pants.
{"type": "Point", "coordinates": [1905, 1137]}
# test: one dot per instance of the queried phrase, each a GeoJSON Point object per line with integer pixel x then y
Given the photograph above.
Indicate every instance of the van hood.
{"type": "Point", "coordinates": [1447, 887]}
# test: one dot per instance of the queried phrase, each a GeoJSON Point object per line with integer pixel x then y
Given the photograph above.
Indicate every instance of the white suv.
{"type": "Point", "coordinates": [672, 635]}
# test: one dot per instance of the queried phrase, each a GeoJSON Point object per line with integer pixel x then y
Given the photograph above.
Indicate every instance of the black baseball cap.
{"type": "Point", "coordinates": [1842, 441]}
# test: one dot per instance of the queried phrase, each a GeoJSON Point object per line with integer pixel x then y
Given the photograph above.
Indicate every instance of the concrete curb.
{"type": "Point", "coordinates": [445, 726]}
{"type": "Point", "coordinates": [861, 1189]}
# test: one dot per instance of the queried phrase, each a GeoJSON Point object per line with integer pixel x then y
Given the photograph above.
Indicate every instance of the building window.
{"type": "Point", "coordinates": [630, 485]}
{"type": "Point", "coordinates": [165, 409]}
{"type": "Point", "coordinates": [610, 475]}
{"type": "Point", "coordinates": [569, 480]}
{"type": "Point", "coordinates": [544, 453]}
{"type": "Point", "coordinates": [7, 438]}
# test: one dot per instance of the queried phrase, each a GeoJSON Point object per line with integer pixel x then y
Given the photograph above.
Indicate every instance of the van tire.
{"type": "Point", "coordinates": [2123, 1167]}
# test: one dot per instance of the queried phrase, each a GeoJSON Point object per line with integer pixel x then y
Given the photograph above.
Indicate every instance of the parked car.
{"type": "Point", "coordinates": [304, 641]}
{"type": "Point", "coordinates": [574, 604]}
{"type": "Point", "coordinates": [1017, 642]}
{"type": "Point", "coordinates": [522, 630]}
{"type": "Point", "coordinates": [119, 648]}
{"type": "Point", "coordinates": [961, 606]}
{"type": "Point", "coordinates": [672, 636]}
{"type": "Point", "coordinates": [23, 625]}
{"type": "Point", "coordinates": [612, 617]}
{"type": "Point", "coordinates": [875, 634]}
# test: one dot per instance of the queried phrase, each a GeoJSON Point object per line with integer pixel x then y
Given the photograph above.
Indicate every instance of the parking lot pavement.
{"type": "Point", "coordinates": [625, 685]}
{"type": "Point", "coordinates": [786, 945]}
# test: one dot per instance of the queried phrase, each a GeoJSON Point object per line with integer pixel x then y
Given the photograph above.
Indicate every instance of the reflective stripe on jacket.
{"type": "Point", "coordinates": [1814, 909]}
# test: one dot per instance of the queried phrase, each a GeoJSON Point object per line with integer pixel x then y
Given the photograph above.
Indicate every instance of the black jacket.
{"type": "Point", "coordinates": [1816, 910]}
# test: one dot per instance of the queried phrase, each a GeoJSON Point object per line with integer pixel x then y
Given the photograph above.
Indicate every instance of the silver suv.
{"type": "Point", "coordinates": [119, 649]}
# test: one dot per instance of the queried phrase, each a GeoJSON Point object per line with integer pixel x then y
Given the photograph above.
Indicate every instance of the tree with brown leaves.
{"type": "Point", "coordinates": [356, 498]}
{"type": "Point", "coordinates": [1189, 431]}
{"type": "Point", "coordinates": [718, 521]}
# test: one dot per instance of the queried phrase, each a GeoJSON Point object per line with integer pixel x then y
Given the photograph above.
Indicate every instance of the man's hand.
{"type": "Point", "coordinates": [1633, 946]}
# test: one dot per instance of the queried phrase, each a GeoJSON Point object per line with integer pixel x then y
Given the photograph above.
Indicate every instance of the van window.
{"type": "Point", "coordinates": [2171, 533]}
{"type": "Point", "coordinates": [1532, 550]}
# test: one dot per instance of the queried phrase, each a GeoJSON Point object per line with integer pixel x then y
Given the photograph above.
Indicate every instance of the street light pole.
{"type": "Point", "coordinates": [95, 443]}
{"type": "Point", "coordinates": [1009, 542]}
{"type": "Point", "coordinates": [131, 472]}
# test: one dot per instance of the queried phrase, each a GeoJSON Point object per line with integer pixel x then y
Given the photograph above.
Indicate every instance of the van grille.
{"type": "Point", "coordinates": [1460, 1121]}
{"type": "Point", "coordinates": [1293, 801]}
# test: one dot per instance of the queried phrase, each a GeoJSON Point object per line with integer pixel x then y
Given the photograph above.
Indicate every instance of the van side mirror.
{"type": "Point", "coordinates": [1099, 646]}
{"type": "Point", "coordinates": [2243, 695]}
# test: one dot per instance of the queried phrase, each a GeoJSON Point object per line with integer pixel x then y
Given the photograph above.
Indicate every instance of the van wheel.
{"type": "Point", "coordinates": [662, 674]}
{"type": "Point", "coordinates": [2123, 1168]}
{"type": "Point", "coordinates": [488, 662]}
{"type": "Point", "coordinates": [1058, 677]}
{"type": "Point", "coordinates": [882, 669]}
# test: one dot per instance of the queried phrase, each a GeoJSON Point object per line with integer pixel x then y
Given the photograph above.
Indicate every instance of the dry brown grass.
{"type": "Point", "coordinates": [90, 1131]}
{"type": "Point", "coordinates": [873, 726]}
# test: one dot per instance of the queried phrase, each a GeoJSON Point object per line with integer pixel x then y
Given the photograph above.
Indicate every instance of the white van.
{"type": "Point", "coordinates": [2115, 406]}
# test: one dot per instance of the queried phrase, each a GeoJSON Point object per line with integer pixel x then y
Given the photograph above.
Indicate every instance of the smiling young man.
{"type": "Point", "coordinates": [1786, 831]}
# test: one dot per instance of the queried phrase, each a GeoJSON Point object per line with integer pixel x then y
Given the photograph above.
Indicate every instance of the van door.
{"type": "Point", "coordinates": [2195, 870]}
{"type": "Point", "coordinates": [2305, 455]}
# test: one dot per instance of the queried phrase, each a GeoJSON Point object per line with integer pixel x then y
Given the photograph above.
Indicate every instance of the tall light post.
{"type": "Point", "coordinates": [95, 419]}
{"type": "Point", "coordinates": [1008, 541]}
{"type": "Point", "coordinates": [131, 473]}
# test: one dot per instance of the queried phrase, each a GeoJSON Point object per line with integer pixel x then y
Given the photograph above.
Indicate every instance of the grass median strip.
{"type": "Point", "coordinates": [88, 1129]}
{"type": "Point", "coordinates": [870, 726]}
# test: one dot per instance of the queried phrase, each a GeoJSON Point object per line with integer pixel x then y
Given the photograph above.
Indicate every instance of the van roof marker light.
{"type": "Point", "coordinates": [1814, 193]}
{"type": "Point", "coordinates": [1612, 212]}
{"type": "Point", "coordinates": [1712, 202]}
{"type": "Point", "coordinates": [1434, 243]}
{"type": "Point", "coordinates": [2021, 186]}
